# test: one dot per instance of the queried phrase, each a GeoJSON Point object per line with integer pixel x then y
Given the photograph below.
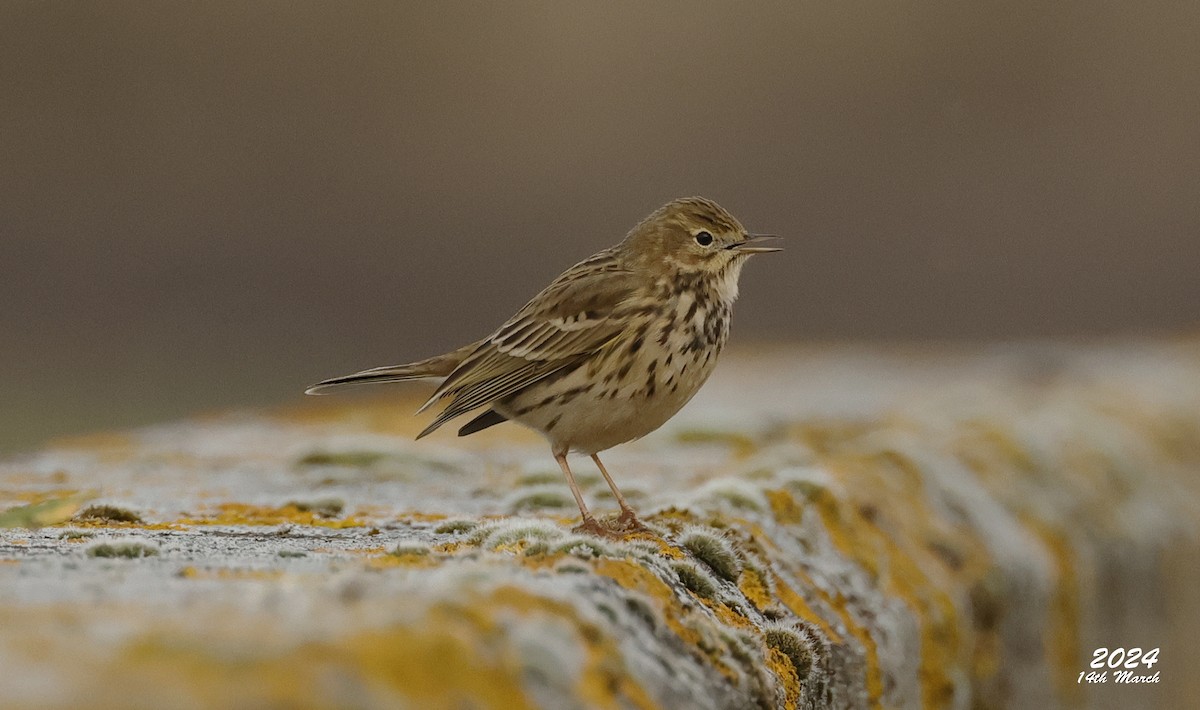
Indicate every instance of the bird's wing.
{"type": "Point", "coordinates": [573, 317]}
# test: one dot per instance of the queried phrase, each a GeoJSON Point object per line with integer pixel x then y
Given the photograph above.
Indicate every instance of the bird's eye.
{"type": "Point", "coordinates": [704, 238]}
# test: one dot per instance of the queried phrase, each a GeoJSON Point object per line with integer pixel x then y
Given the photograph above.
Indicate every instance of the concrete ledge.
{"type": "Point", "coordinates": [832, 528]}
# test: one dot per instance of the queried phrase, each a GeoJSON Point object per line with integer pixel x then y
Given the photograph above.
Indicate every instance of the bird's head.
{"type": "Point", "coordinates": [693, 237]}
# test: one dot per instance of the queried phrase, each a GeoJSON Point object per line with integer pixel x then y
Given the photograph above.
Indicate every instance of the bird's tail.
{"type": "Point", "coordinates": [437, 366]}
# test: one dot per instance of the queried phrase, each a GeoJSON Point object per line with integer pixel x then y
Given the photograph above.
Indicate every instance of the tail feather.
{"type": "Point", "coordinates": [488, 419]}
{"type": "Point", "coordinates": [437, 366]}
{"type": "Point", "coordinates": [376, 375]}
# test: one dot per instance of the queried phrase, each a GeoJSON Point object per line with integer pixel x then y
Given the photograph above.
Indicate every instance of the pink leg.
{"type": "Point", "coordinates": [589, 523]}
{"type": "Point", "coordinates": [628, 519]}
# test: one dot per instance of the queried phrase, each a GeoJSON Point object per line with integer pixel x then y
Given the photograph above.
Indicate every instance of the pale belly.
{"type": "Point", "coordinates": [585, 412]}
{"type": "Point", "coordinates": [585, 415]}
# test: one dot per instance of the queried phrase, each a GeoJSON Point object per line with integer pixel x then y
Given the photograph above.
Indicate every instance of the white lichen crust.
{"type": "Point", "coordinates": [825, 530]}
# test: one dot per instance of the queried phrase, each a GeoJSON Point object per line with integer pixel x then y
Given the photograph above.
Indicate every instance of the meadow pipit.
{"type": "Point", "coordinates": [609, 351]}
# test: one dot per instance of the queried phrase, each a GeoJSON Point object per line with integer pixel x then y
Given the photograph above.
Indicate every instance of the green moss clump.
{"type": "Point", "coordinates": [36, 515]}
{"type": "Point", "coordinates": [323, 507]}
{"type": "Point", "coordinates": [110, 513]}
{"type": "Point", "coordinates": [587, 481]}
{"type": "Point", "coordinates": [130, 549]}
{"type": "Point", "coordinates": [457, 525]}
{"type": "Point", "coordinates": [585, 546]}
{"type": "Point", "coordinates": [639, 608]}
{"type": "Point", "coordinates": [809, 490]}
{"type": "Point", "coordinates": [540, 497]}
{"type": "Point", "coordinates": [695, 579]}
{"type": "Point", "coordinates": [747, 651]}
{"type": "Point", "coordinates": [737, 493]}
{"type": "Point", "coordinates": [352, 459]}
{"type": "Point", "coordinates": [292, 553]}
{"type": "Point", "coordinates": [643, 550]}
{"type": "Point", "coordinates": [76, 534]}
{"type": "Point", "coordinates": [760, 475]}
{"type": "Point", "coordinates": [713, 550]}
{"type": "Point", "coordinates": [630, 493]}
{"type": "Point", "coordinates": [541, 478]}
{"type": "Point", "coordinates": [410, 548]}
{"type": "Point", "coordinates": [714, 436]}
{"type": "Point", "coordinates": [774, 613]}
{"type": "Point", "coordinates": [516, 531]}
{"type": "Point", "coordinates": [535, 548]}
{"type": "Point", "coordinates": [795, 646]}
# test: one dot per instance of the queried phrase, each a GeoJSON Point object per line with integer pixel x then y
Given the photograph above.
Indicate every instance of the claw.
{"type": "Point", "coordinates": [591, 526]}
{"type": "Point", "coordinates": [629, 522]}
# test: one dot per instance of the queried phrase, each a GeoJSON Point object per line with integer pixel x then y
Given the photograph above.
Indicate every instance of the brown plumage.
{"type": "Point", "coordinates": [608, 351]}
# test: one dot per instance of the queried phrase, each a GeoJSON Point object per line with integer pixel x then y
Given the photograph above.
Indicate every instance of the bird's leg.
{"type": "Point", "coordinates": [629, 519]}
{"type": "Point", "coordinates": [589, 523]}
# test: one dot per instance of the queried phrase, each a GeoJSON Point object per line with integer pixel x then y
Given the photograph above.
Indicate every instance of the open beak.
{"type": "Point", "coordinates": [749, 244]}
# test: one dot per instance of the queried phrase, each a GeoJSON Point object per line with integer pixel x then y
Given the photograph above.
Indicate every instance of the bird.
{"type": "Point", "coordinates": [605, 354]}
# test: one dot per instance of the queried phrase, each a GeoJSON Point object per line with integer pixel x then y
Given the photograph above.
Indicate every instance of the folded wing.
{"type": "Point", "coordinates": [572, 318]}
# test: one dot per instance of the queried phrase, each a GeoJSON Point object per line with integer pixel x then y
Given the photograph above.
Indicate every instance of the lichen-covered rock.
{"type": "Point", "coordinates": [835, 528]}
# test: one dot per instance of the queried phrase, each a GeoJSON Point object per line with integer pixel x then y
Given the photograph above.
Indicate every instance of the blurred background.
{"type": "Point", "coordinates": [205, 205]}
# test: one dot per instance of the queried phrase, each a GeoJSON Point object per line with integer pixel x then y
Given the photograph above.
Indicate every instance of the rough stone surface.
{"type": "Point", "coordinates": [832, 528]}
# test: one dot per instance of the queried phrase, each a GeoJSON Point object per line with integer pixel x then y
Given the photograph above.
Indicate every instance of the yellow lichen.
{"type": "Point", "coordinates": [39, 496]}
{"type": "Point", "coordinates": [741, 444]}
{"type": "Point", "coordinates": [96, 523]}
{"type": "Point", "coordinates": [246, 514]}
{"type": "Point", "coordinates": [665, 548]}
{"type": "Point", "coordinates": [424, 665]}
{"type": "Point", "coordinates": [827, 435]}
{"type": "Point", "coordinates": [801, 608]}
{"type": "Point", "coordinates": [893, 546]}
{"type": "Point", "coordinates": [104, 441]}
{"type": "Point", "coordinates": [41, 514]}
{"type": "Point", "coordinates": [228, 574]}
{"type": "Point", "coordinates": [604, 682]}
{"type": "Point", "coordinates": [404, 560]}
{"type": "Point", "coordinates": [408, 518]}
{"type": "Point", "coordinates": [730, 616]}
{"type": "Point", "coordinates": [1062, 628]}
{"type": "Point", "coordinates": [631, 575]}
{"type": "Point", "coordinates": [992, 451]}
{"type": "Point", "coordinates": [783, 669]}
{"type": "Point", "coordinates": [754, 587]}
{"type": "Point", "coordinates": [784, 507]}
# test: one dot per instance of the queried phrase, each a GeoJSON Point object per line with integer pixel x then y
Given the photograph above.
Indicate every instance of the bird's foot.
{"type": "Point", "coordinates": [629, 523]}
{"type": "Point", "coordinates": [591, 526]}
